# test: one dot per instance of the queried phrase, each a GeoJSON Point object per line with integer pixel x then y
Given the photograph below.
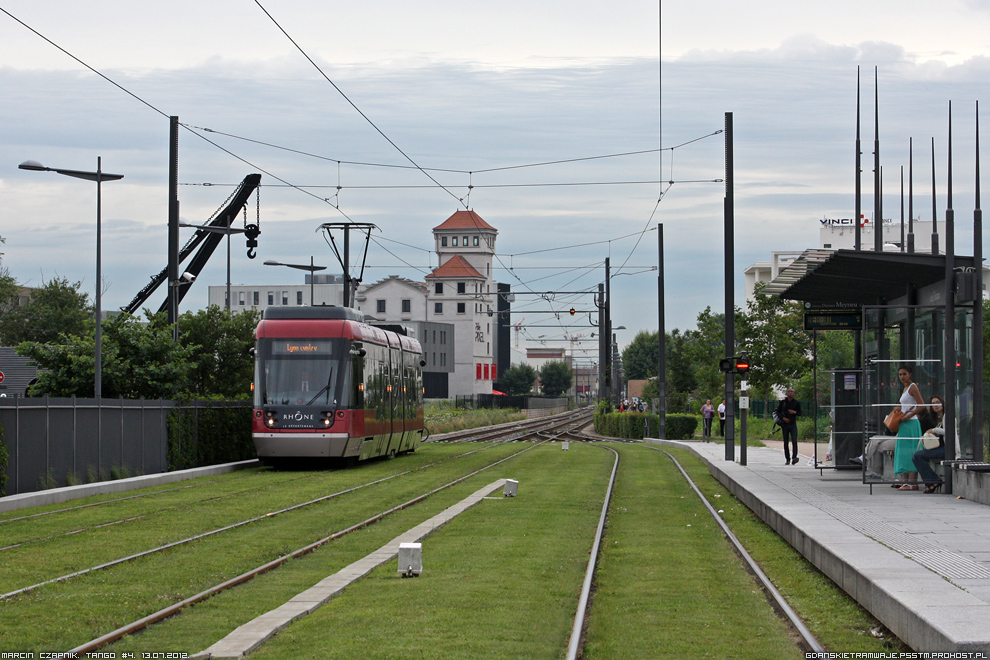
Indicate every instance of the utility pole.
{"type": "Point", "coordinates": [173, 227]}
{"type": "Point", "coordinates": [662, 366]}
{"type": "Point", "coordinates": [730, 269]}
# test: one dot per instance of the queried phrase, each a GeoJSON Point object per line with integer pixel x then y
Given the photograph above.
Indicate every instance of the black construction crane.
{"type": "Point", "coordinates": [210, 240]}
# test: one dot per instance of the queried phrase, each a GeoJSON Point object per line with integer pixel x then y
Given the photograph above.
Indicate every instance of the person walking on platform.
{"type": "Point", "coordinates": [707, 415]}
{"type": "Point", "coordinates": [908, 431]}
{"type": "Point", "coordinates": [787, 413]}
{"type": "Point", "coordinates": [721, 418]}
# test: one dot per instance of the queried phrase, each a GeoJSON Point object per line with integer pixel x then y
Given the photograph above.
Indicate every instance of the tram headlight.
{"type": "Point", "coordinates": [270, 419]}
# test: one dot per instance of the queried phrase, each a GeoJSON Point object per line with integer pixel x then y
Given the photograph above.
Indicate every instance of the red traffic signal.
{"type": "Point", "coordinates": [734, 365]}
{"type": "Point", "coordinates": [573, 311]}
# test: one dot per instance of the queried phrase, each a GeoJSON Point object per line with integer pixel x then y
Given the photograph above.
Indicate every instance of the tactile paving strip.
{"type": "Point", "coordinates": [946, 563]}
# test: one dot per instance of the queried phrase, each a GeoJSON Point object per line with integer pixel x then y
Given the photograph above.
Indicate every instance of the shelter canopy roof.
{"type": "Point", "coordinates": [858, 277]}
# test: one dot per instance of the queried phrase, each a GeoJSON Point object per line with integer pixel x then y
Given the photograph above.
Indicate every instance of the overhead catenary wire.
{"type": "Point", "coordinates": [162, 112]}
{"type": "Point", "coordinates": [351, 103]}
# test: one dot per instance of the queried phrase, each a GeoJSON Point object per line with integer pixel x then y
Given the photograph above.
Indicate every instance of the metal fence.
{"type": "Point", "coordinates": [53, 441]}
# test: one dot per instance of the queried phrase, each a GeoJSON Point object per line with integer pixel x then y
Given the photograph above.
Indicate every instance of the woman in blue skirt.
{"type": "Point", "coordinates": [909, 431]}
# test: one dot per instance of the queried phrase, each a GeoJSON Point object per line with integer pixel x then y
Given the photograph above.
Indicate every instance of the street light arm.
{"type": "Point", "coordinates": [35, 166]}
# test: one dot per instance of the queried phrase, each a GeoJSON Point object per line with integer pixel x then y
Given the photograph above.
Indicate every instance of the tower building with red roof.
{"type": "Point", "coordinates": [461, 291]}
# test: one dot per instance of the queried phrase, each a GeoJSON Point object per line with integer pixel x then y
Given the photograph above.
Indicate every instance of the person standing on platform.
{"type": "Point", "coordinates": [721, 418]}
{"type": "Point", "coordinates": [707, 415]}
{"type": "Point", "coordinates": [788, 410]}
{"type": "Point", "coordinates": [908, 431]}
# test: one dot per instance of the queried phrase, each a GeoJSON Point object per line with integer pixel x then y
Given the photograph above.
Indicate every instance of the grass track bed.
{"type": "Point", "coordinates": [86, 607]}
{"type": "Point", "coordinates": [669, 585]}
{"type": "Point", "coordinates": [500, 581]}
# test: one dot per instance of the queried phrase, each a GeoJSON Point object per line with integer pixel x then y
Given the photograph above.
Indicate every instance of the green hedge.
{"type": "Point", "coordinates": [633, 425]}
{"type": "Point", "coordinates": [3, 465]}
{"type": "Point", "coordinates": [208, 433]}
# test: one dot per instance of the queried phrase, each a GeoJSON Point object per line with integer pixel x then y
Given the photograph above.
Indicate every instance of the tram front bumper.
{"type": "Point", "coordinates": [273, 445]}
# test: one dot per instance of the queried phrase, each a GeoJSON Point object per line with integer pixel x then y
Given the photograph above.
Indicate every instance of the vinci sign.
{"type": "Point", "coordinates": [849, 222]}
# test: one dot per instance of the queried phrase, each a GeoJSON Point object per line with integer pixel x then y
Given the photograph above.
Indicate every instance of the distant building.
{"type": "Point", "coordinates": [461, 291]}
{"type": "Point", "coordinates": [18, 372]}
{"type": "Point", "coordinates": [402, 301]}
{"type": "Point", "coordinates": [324, 289]}
{"type": "Point", "coordinates": [840, 234]}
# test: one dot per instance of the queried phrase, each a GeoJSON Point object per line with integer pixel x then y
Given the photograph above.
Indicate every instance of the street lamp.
{"type": "Point", "coordinates": [99, 176]}
{"type": "Point", "coordinates": [311, 268]}
{"type": "Point", "coordinates": [220, 230]}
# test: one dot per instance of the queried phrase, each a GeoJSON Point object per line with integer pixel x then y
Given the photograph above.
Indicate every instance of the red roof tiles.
{"type": "Point", "coordinates": [464, 220]}
{"type": "Point", "coordinates": [456, 266]}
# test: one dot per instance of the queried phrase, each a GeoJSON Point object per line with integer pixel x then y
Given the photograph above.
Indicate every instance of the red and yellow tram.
{"type": "Point", "coordinates": [328, 385]}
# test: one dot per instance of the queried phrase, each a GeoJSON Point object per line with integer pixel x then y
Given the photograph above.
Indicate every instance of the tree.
{"type": "Point", "coordinates": [772, 334]}
{"type": "Point", "coordinates": [220, 363]}
{"type": "Point", "coordinates": [556, 378]}
{"type": "Point", "coordinates": [705, 348]}
{"type": "Point", "coordinates": [138, 360]}
{"type": "Point", "coordinates": [8, 290]}
{"type": "Point", "coordinates": [681, 381]}
{"type": "Point", "coordinates": [518, 379]}
{"type": "Point", "coordinates": [641, 357]}
{"type": "Point", "coordinates": [55, 309]}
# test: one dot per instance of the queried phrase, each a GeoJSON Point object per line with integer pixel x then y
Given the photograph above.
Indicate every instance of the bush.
{"type": "Point", "coordinates": [3, 465]}
{"type": "Point", "coordinates": [633, 425]}
{"type": "Point", "coordinates": [209, 433]}
{"type": "Point", "coordinates": [681, 427]}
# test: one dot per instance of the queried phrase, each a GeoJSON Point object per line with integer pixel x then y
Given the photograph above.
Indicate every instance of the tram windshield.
{"type": "Point", "coordinates": [302, 372]}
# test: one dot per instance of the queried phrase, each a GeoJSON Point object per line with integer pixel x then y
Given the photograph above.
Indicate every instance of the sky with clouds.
{"type": "Point", "coordinates": [467, 89]}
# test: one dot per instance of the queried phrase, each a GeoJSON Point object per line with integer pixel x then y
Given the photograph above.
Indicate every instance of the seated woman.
{"type": "Point", "coordinates": [922, 457]}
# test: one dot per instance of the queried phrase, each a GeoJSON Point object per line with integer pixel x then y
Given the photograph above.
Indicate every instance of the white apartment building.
{"type": "Point", "coordinates": [321, 289]}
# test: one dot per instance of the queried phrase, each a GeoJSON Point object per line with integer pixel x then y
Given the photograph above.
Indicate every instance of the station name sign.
{"type": "Point", "coordinates": [833, 317]}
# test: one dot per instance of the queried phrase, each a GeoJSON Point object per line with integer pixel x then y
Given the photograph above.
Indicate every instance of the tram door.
{"type": "Point", "coordinates": [395, 400]}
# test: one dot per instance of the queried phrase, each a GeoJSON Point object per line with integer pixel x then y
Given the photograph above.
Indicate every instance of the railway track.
{"type": "Point", "coordinates": [453, 469]}
{"type": "Point", "coordinates": [492, 439]}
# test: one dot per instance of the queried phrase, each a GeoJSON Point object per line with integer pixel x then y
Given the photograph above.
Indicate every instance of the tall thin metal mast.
{"type": "Point", "coordinates": [978, 308]}
{"type": "Point", "coordinates": [859, 172]}
{"type": "Point", "coordinates": [902, 209]}
{"type": "Point", "coordinates": [934, 209]}
{"type": "Point", "coordinates": [730, 328]}
{"type": "Point", "coordinates": [877, 185]}
{"type": "Point", "coordinates": [910, 236]}
{"type": "Point", "coordinates": [950, 321]}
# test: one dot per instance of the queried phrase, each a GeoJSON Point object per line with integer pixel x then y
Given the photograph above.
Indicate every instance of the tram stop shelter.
{"type": "Point", "coordinates": [902, 309]}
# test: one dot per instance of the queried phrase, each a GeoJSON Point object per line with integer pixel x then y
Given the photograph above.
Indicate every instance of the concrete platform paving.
{"type": "Point", "coordinates": [256, 632]}
{"type": "Point", "coordinates": [920, 563]}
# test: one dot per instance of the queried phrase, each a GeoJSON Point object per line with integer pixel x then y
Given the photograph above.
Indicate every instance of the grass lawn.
{"type": "Point", "coordinates": [500, 581]}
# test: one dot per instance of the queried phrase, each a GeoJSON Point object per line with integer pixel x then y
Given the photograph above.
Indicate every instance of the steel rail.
{"type": "Point", "coordinates": [778, 599]}
{"type": "Point", "coordinates": [244, 577]}
{"type": "Point", "coordinates": [145, 515]}
{"type": "Point", "coordinates": [577, 631]}
{"type": "Point", "coordinates": [472, 435]}
{"type": "Point", "coordinates": [92, 504]}
{"type": "Point", "coordinates": [174, 544]}
{"type": "Point", "coordinates": [225, 528]}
